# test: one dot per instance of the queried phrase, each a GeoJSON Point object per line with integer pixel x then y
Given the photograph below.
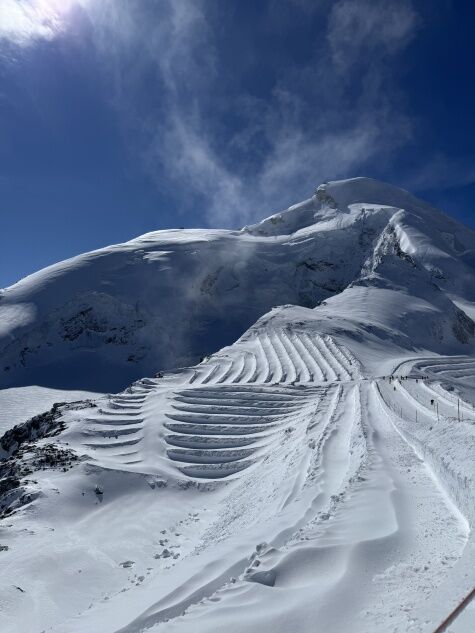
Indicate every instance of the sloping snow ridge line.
{"type": "Point", "coordinates": [307, 467]}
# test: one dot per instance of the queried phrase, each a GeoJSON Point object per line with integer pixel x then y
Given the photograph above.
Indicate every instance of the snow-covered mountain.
{"type": "Point", "coordinates": [302, 454]}
{"type": "Point", "coordinates": [166, 299]}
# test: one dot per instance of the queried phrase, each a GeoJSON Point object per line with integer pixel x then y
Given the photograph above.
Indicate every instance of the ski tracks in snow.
{"type": "Point", "coordinates": [377, 523]}
{"type": "Point", "coordinates": [323, 498]}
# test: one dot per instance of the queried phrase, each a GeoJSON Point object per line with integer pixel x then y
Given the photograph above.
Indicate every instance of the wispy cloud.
{"type": "Point", "coordinates": [363, 29]}
{"type": "Point", "coordinates": [221, 147]}
{"type": "Point", "coordinates": [286, 144]}
{"type": "Point", "coordinates": [441, 172]}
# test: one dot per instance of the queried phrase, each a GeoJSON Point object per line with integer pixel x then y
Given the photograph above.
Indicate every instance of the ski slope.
{"type": "Point", "coordinates": [283, 482]}
{"type": "Point", "coordinates": [316, 474]}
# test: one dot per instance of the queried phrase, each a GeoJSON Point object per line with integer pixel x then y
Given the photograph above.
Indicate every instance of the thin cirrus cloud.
{"type": "Point", "coordinates": [284, 144]}
{"type": "Point", "coordinates": [318, 120]}
{"type": "Point", "coordinates": [369, 28]}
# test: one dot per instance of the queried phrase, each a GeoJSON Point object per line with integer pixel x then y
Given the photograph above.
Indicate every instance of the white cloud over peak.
{"type": "Point", "coordinates": [284, 145]}
{"type": "Point", "coordinates": [169, 83]}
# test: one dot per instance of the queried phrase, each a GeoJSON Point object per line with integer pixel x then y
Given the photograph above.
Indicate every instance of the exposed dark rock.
{"type": "Point", "coordinates": [26, 455]}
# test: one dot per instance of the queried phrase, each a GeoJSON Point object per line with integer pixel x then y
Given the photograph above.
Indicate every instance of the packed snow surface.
{"type": "Point", "coordinates": [302, 457]}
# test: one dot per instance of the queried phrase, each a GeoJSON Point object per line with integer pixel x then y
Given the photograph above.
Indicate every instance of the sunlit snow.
{"type": "Point", "coordinates": [302, 454]}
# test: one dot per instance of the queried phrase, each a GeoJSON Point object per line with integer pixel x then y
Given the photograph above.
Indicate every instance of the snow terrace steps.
{"type": "Point", "coordinates": [219, 431]}
{"type": "Point", "coordinates": [278, 356]}
{"type": "Point", "coordinates": [239, 399]}
{"type": "Point", "coordinates": [235, 406]}
{"type": "Point", "coordinates": [449, 367]}
{"type": "Point", "coordinates": [115, 434]}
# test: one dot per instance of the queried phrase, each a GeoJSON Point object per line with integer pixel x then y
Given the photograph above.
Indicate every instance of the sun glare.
{"type": "Point", "coordinates": [53, 9]}
{"type": "Point", "coordinates": [58, 6]}
{"type": "Point", "coordinates": [25, 22]}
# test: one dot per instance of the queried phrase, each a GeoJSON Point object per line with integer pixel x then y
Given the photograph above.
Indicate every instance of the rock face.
{"type": "Point", "coordinates": [168, 298]}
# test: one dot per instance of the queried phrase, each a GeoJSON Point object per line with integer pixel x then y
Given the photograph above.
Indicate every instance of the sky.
{"type": "Point", "coordinates": [119, 117]}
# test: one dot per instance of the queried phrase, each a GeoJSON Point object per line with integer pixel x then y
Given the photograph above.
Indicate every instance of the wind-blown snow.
{"type": "Point", "coordinates": [315, 471]}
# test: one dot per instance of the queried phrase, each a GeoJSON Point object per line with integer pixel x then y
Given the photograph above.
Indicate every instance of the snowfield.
{"type": "Point", "coordinates": [301, 456]}
{"type": "Point", "coordinates": [18, 404]}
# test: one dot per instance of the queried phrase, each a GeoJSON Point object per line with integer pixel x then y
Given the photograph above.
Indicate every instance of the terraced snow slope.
{"type": "Point", "coordinates": [315, 475]}
{"type": "Point", "coordinates": [275, 484]}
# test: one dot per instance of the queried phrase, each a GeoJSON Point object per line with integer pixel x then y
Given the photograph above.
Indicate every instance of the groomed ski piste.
{"type": "Point", "coordinates": [316, 475]}
{"type": "Point", "coordinates": [276, 480]}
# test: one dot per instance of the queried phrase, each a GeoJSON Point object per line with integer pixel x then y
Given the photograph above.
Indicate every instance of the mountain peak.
{"type": "Point", "coordinates": [115, 303]}
{"type": "Point", "coordinates": [335, 197]}
{"type": "Point", "coordinates": [343, 193]}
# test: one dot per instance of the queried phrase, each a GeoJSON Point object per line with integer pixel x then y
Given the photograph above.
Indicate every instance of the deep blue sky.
{"type": "Point", "coordinates": [119, 117]}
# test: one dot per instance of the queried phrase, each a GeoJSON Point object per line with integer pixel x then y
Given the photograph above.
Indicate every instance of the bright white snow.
{"type": "Point", "coordinates": [18, 404]}
{"type": "Point", "coordinates": [317, 474]}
